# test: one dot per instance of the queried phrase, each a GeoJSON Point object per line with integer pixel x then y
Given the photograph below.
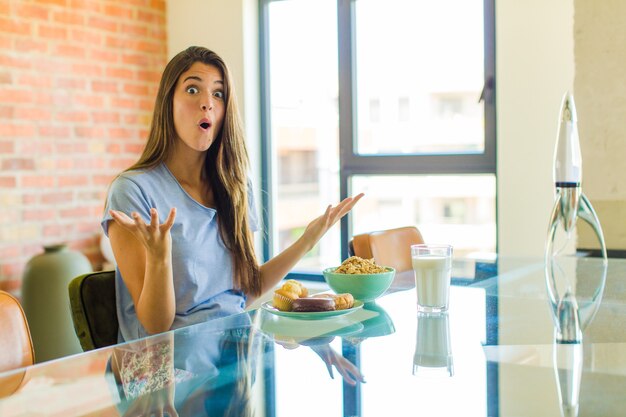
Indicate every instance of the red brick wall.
{"type": "Point", "coordinates": [77, 85]}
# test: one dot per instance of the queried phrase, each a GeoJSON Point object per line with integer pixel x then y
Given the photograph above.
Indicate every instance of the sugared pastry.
{"type": "Point", "coordinates": [342, 301]}
{"type": "Point", "coordinates": [313, 304]}
{"type": "Point", "coordinates": [295, 287]}
{"type": "Point", "coordinates": [325, 295]}
{"type": "Point", "coordinates": [283, 299]}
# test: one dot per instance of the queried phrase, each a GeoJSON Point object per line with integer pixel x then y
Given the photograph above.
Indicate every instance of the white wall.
{"type": "Point", "coordinates": [534, 67]}
{"type": "Point", "coordinates": [600, 89]}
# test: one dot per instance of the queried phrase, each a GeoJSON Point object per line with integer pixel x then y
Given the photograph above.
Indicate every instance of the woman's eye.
{"type": "Point", "coordinates": [219, 94]}
{"type": "Point", "coordinates": [192, 90]}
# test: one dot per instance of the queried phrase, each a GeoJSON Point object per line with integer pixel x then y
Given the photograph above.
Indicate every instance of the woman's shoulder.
{"type": "Point", "coordinates": [141, 177]}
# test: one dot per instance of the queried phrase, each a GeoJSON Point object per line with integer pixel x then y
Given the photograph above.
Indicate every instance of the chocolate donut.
{"type": "Point", "coordinates": [313, 304]}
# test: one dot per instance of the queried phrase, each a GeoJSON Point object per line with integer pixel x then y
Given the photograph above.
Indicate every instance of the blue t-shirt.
{"type": "Point", "coordinates": [201, 265]}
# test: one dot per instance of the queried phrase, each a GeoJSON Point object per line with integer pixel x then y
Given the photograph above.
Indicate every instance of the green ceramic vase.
{"type": "Point", "coordinates": [46, 302]}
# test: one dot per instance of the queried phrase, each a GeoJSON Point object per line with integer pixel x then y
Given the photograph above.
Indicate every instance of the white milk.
{"type": "Point", "coordinates": [432, 281]}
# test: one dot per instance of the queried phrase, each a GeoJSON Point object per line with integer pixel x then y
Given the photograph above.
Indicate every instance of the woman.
{"type": "Point", "coordinates": [181, 219]}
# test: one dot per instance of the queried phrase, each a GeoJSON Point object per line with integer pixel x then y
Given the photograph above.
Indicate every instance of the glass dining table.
{"type": "Point", "coordinates": [521, 338]}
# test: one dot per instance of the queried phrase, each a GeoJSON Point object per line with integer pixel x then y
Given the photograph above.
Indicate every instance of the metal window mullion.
{"type": "Point", "coordinates": [422, 164]}
{"type": "Point", "coordinates": [267, 186]}
{"type": "Point", "coordinates": [347, 115]}
{"type": "Point", "coordinates": [489, 104]}
{"type": "Point", "coordinates": [269, 374]}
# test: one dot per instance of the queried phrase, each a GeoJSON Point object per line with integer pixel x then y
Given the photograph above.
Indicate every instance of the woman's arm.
{"type": "Point", "coordinates": [143, 253]}
{"type": "Point", "coordinates": [279, 266]}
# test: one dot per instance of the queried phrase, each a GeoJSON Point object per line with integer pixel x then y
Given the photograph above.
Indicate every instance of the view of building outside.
{"type": "Point", "coordinates": [456, 209]}
{"type": "Point", "coordinates": [420, 72]}
{"type": "Point", "coordinates": [304, 122]}
{"type": "Point", "coordinates": [419, 75]}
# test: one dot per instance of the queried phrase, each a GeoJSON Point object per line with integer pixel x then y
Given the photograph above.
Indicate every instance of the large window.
{"type": "Point", "coordinates": [394, 98]}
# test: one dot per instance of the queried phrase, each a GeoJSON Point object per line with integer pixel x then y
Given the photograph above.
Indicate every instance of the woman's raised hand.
{"type": "Point", "coordinates": [318, 227]}
{"type": "Point", "coordinates": [154, 236]}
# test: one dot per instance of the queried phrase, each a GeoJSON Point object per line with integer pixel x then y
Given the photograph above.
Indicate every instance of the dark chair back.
{"type": "Point", "coordinates": [92, 298]}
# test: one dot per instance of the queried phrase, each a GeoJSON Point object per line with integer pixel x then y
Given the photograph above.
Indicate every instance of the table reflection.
{"type": "Point", "coordinates": [376, 323]}
{"type": "Point", "coordinates": [571, 317]}
{"type": "Point", "coordinates": [316, 335]}
{"type": "Point", "coordinates": [200, 371]}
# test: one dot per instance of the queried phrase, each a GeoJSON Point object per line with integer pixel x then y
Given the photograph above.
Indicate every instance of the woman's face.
{"type": "Point", "coordinates": [199, 106]}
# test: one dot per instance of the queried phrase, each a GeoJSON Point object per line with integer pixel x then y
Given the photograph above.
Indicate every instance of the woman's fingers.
{"type": "Point", "coordinates": [136, 223]}
{"type": "Point", "coordinates": [121, 218]}
{"type": "Point", "coordinates": [169, 222]}
{"type": "Point", "coordinates": [154, 218]}
{"type": "Point", "coordinates": [350, 204]}
{"type": "Point", "coordinates": [137, 218]}
{"type": "Point", "coordinates": [347, 203]}
{"type": "Point", "coordinates": [331, 215]}
{"type": "Point", "coordinates": [356, 200]}
{"type": "Point", "coordinates": [344, 208]}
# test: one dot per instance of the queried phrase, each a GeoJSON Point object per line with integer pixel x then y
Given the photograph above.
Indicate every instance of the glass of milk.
{"type": "Point", "coordinates": [433, 355]}
{"type": "Point", "coordinates": [432, 265]}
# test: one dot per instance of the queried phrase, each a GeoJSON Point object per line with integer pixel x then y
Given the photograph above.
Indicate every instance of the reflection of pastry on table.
{"type": "Point", "coordinates": [290, 329]}
{"type": "Point", "coordinates": [290, 342]}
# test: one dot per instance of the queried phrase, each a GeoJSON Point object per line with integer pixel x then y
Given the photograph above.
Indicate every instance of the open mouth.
{"type": "Point", "coordinates": [205, 125]}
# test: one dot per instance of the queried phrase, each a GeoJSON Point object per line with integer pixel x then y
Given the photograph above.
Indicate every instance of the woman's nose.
{"type": "Point", "coordinates": [207, 104]}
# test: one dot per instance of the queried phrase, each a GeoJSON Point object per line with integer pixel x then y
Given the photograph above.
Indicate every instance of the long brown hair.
{"type": "Point", "coordinates": [225, 165]}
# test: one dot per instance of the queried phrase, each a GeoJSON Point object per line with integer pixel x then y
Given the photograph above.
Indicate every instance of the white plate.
{"type": "Point", "coordinates": [314, 315]}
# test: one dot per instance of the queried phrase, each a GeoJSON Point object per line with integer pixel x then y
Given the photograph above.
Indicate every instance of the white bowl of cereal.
{"type": "Point", "coordinates": [362, 278]}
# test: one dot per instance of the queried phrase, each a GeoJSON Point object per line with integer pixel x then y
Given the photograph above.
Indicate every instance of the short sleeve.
{"type": "Point", "coordinates": [253, 215]}
{"type": "Point", "coordinates": [126, 196]}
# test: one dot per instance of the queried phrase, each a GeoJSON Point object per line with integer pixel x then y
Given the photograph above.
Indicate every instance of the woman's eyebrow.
{"type": "Point", "coordinates": [193, 77]}
{"type": "Point", "coordinates": [196, 78]}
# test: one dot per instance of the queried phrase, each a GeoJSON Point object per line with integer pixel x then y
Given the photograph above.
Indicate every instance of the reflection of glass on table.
{"type": "Point", "coordinates": [433, 355]}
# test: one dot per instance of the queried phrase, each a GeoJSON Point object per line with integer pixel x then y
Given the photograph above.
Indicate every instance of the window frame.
{"type": "Point", "coordinates": [350, 162]}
